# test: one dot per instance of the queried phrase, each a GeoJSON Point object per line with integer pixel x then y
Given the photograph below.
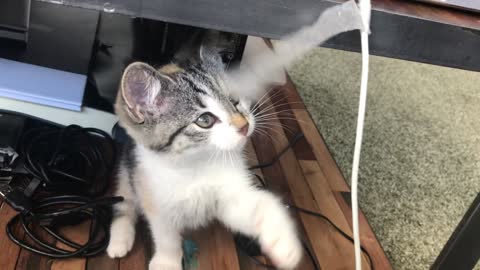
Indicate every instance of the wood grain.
{"type": "Point", "coordinates": [9, 251]}
{"type": "Point", "coordinates": [429, 12]}
{"type": "Point", "coordinates": [103, 262]}
{"type": "Point", "coordinates": [302, 197]}
{"type": "Point", "coordinates": [367, 237]}
{"type": "Point", "coordinates": [276, 182]}
{"type": "Point", "coordinates": [29, 260]}
{"type": "Point", "coordinates": [140, 254]}
{"type": "Point", "coordinates": [216, 248]}
{"type": "Point", "coordinates": [78, 234]}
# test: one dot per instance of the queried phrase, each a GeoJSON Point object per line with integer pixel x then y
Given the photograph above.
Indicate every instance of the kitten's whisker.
{"type": "Point", "coordinates": [276, 124]}
{"type": "Point", "coordinates": [268, 98]}
{"type": "Point", "coordinates": [274, 130]}
{"type": "Point", "coordinates": [287, 128]}
{"type": "Point", "coordinates": [276, 105]}
{"type": "Point", "coordinates": [276, 115]}
{"type": "Point", "coordinates": [295, 119]}
{"type": "Point", "coordinates": [279, 103]}
{"type": "Point", "coordinates": [273, 104]}
{"type": "Point", "coordinates": [275, 119]}
{"type": "Point", "coordinates": [267, 135]}
{"type": "Point", "coordinates": [214, 155]}
{"type": "Point", "coordinates": [262, 100]}
{"type": "Point", "coordinates": [273, 113]}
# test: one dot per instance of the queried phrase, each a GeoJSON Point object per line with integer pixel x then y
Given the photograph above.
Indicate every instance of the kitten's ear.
{"type": "Point", "coordinates": [140, 89]}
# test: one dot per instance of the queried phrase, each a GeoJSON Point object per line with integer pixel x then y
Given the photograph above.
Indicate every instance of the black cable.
{"type": "Point", "coordinates": [295, 139]}
{"type": "Point", "coordinates": [69, 159]}
{"type": "Point", "coordinates": [326, 219]}
{"type": "Point", "coordinates": [263, 183]}
{"type": "Point", "coordinates": [57, 211]}
{"type": "Point", "coordinates": [73, 166]}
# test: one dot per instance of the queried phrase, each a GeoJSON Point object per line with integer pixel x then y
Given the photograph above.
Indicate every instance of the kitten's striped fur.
{"type": "Point", "coordinates": [182, 171]}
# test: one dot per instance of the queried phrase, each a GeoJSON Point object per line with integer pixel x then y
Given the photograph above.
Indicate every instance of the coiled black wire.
{"type": "Point", "coordinates": [74, 166]}
{"type": "Point", "coordinates": [69, 159]}
{"type": "Point", "coordinates": [65, 210]}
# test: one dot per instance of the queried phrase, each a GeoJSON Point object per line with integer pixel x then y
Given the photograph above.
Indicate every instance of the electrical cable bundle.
{"type": "Point", "coordinates": [65, 172]}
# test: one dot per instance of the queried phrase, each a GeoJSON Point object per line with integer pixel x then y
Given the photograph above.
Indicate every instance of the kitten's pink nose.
{"type": "Point", "coordinates": [244, 130]}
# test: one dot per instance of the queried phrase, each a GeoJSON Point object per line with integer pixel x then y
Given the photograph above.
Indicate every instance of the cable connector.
{"type": "Point", "coordinates": [15, 197]}
{"type": "Point", "coordinates": [7, 157]}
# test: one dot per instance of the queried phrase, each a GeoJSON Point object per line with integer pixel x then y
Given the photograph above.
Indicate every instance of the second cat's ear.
{"type": "Point", "coordinates": [203, 47]}
{"type": "Point", "coordinates": [140, 90]}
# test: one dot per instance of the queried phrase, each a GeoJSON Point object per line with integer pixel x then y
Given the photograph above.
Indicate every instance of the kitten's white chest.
{"type": "Point", "coordinates": [185, 192]}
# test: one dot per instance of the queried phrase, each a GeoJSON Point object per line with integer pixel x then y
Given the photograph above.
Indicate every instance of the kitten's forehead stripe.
{"type": "Point", "coordinates": [171, 139]}
{"type": "Point", "coordinates": [194, 85]}
{"type": "Point", "coordinates": [200, 103]}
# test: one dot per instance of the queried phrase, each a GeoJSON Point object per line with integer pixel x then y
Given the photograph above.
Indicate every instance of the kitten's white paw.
{"type": "Point", "coordinates": [278, 238]}
{"type": "Point", "coordinates": [159, 262]}
{"type": "Point", "coordinates": [282, 247]}
{"type": "Point", "coordinates": [120, 245]}
{"type": "Point", "coordinates": [122, 237]}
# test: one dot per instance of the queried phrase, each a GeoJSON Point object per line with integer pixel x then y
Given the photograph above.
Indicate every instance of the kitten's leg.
{"type": "Point", "coordinates": [168, 245]}
{"type": "Point", "coordinates": [166, 236]}
{"type": "Point", "coordinates": [261, 215]}
{"type": "Point", "coordinates": [122, 230]}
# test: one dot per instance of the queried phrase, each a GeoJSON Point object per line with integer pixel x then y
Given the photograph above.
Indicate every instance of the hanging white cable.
{"type": "Point", "coordinates": [365, 8]}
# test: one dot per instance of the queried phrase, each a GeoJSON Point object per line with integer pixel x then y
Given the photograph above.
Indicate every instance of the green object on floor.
{"type": "Point", "coordinates": [190, 261]}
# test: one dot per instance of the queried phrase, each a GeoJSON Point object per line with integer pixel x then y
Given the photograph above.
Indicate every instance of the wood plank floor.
{"type": "Point", "coordinates": [305, 176]}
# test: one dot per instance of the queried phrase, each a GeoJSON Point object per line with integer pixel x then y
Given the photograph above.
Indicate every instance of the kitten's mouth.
{"type": "Point", "coordinates": [244, 130]}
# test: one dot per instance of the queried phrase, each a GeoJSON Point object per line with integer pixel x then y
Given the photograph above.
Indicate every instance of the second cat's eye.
{"type": "Point", "coordinates": [234, 102]}
{"type": "Point", "coordinates": [206, 120]}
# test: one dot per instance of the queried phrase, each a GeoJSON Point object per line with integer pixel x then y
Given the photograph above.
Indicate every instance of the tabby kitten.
{"type": "Point", "coordinates": [186, 167]}
{"type": "Point", "coordinates": [189, 122]}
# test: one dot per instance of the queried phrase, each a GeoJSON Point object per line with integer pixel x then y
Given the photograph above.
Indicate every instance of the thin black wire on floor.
{"type": "Point", "coordinates": [263, 183]}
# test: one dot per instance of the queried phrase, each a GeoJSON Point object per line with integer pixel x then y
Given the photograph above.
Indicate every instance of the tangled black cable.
{"type": "Point", "coordinates": [58, 211]}
{"type": "Point", "coordinates": [69, 169]}
{"type": "Point", "coordinates": [69, 159]}
{"type": "Point", "coordinates": [263, 183]}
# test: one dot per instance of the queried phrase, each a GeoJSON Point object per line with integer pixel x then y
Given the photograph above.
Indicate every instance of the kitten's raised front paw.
{"type": "Point", "coordinates": [122, 236]}
{"type": "Point", "coordinates": [165, 263]}
{"type": "Point", "coordinates": [278, 238]}
{"type": "Point", "coordinates": [283, 248]}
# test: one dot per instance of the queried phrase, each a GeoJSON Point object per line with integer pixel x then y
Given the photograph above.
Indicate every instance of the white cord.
{"type": "Point", "coordinates": [365, 8]}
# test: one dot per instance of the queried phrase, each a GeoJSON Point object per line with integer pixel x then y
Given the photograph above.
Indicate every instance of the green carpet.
{"type": "Point", "coordinates": [420, 165]}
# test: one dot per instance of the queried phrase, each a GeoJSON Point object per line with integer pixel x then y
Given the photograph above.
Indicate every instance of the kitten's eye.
{"type": "Point", "coordinates": [206, 120]}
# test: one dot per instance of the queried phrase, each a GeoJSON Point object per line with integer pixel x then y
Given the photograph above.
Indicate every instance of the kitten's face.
{"type": "Point", "coordinates": [225, 122]}
{"type": "Point", "coordinates": [174, 110]}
